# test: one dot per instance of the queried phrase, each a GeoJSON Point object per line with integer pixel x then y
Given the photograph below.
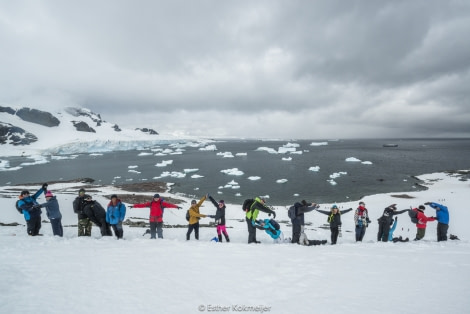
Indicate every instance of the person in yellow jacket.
{"type": "Point", "coordinates": [194, 216]}
{"type": "Point", "coordinates": [252, 214]}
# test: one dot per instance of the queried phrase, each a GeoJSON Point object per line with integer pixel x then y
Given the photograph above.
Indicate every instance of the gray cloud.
{"type": "Point", "coordinates": [318, 69]}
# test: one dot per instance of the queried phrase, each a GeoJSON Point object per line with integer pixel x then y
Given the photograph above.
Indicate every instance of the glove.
{"type": "Point", "coordinates": [396, 218]}
{"type": "Point", "coordinates": [274, 215]}
{"type": "Point", "coordinates": [427, 203]}
{"type": "Point", "coordinates": [131, 206]}
{"type": "Point", "coordinates": [179, 207]}
{"type": "Point", "coordinates": [368, 221]}
{"type": "Point", "coordinates": [44, 186]}
{"type": "Point", "coordinates": [211, 216]}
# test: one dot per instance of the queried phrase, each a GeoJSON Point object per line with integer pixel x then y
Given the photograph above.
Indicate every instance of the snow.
{"type": "Point", "coordinates": [366, 162]}
{"type": "Point", "coordinates": [209, 148]}
{"type": "Point", "coordinates": [139, 275]}
{"type": "Point", "coordinates": [164, 163]}
{"type": "Point", "coordinates": [225, 154]}
{"type": "Point", "coordinates": [254, 178]}
{"type": "Point", "coordinates": [281, 181]}
{"type": "Point", "coordinates": [287, 158]}
{"type": "Point", "coordinates": [191, 170]}
{"type": "Point", "coordinates": [241, 154]}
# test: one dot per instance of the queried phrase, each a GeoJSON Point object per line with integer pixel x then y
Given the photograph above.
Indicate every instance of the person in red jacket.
{"type": "Point", "coordinates": [422, 220]}
{"type": "Point", "coordinates": [157, 206]}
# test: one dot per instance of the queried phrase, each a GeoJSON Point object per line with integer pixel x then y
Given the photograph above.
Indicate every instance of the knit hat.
{"type": "Point", "coordinates": [82, 190]}
{"type": "Point", "coordinates": [361, 203]}
{"type": "Point", "coordinates": [221, 202]}
{"type": "Point", "coordinates": [49, 194]}
{"type": "Point", "coordinates": [24, 192]}
{"type": "Point", "coordinates": [86, 196]}
{"type": "Point", "coordinates": [156, 196]}
{"type": "Point", "coordinates": [422, 207]}
{"type": "Point", "coordinates": [114, 196]}
{"type": "Point", "coordinates": [193, 202]}
{"type": "Point", "coordinates": [334, 207]}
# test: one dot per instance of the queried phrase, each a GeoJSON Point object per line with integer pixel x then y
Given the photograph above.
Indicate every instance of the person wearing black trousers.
{"type": "Point", "coordinates": [386, 221]}
{"type": "Point", "coordinates": [299, 218]}
{"type": "Point", "coordinates": [334, 218]}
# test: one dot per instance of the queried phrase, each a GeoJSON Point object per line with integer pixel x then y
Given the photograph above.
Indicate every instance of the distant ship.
{"type": "Point", "coordinates": [390, 145]}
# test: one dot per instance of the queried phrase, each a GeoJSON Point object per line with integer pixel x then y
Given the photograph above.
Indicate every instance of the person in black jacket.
{"type": "Point", "coordinates": [386, 221]}
{"type": "Point", "coordinates": [220, 219]}
{"type": "Point", "coordinates": [97, 214]}
{"type": "Point", "coordinates": [334, 218]}
{"type": "Point", "coordinates": [84, 223]}
{"type": "Point", "coordinates": [298, 224]}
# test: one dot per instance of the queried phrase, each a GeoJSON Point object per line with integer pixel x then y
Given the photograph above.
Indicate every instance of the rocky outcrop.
{"type": "Point", "coordinates": [7, 110]}
{"type": "Point", "coordinates": [116, 128]}
{"type": "Point", "coordinates": [10, 134]}
{"type": "Point", "coordinates": [83, 127]}
{"type": "Point", "coordinates": [80, 112]}
{"type": "Point", "coordinates": [37, 116]}
{"type": "Point", "coordinates": [149, 131]}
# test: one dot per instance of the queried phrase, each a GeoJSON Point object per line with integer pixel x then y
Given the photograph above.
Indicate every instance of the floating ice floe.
{"type": "Point", "coordinates": [196, 176]}
{"type": "Point", "coordinates": [173, 174]}
{"type": "Point", "coordinates": [254, 178]}
{"type": "Point", "coordinates": [225, 154]}
{"type": "Point", "coordinates": [284, 150]}
{"type": "Point", "coordinates": [238, 194]}
{"type": "Point", "coordinates": [38, 160]}
{"type": "Point", "coordinates": [5, 166]}
{"type": "Point", "coordinates": [332, 182]}
{"type": "Point", "coordinates": [296, 194]}
{"type": "Point", "coordinates": [144, 154]}
{"type": "Point", "coordinates": [196, 189]}
{"type": "Point", "coordinates": [314, 169]}
{"type": "Point", "coordinates": [267, 149]}
{"type": "Point", "coordinates": [287, 158]}
{"type": "Point", "coordinates": [294, 145]}
{"type": "Point", "coordinates": [209, 148]}
{"type": "Point", "coordinates": [191, 170]}
{"type": "Point", "coordinates": [353, 159]}
{"type": "Point", "coordinates": [366, 162]}
{"type": "Point", "coordinates": [297, 152]}
{"type": "Point", "coordinates": [118, 177]}
{"type": "Point", "coordinates": [281, 181]}
{"type": "Point", "coordinates": [337, 174]}
{"type": "Point", "coordinates": [176, 153]}
{"type": "Point", "coordinates": [264, 196]}
{"type": "Point", "coordinates": [164, 163]}
{"type": "Point", "coordinates": [96, 154]}
{"type": "Point", "coordinates": [134, 171]}
{"type": "Point", "coordinates": [232, 172]}
{"type": "Point", "coordinates": [241, 154]}
{"type": "Point", "coordinates": [318, 143]}
{"type": "Point", "coordinates": [160, 154]}
{"type": "Point", "coordinates": [132, 167]}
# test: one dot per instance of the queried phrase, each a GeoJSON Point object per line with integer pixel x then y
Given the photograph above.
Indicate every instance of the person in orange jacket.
{"type": "Point", "coordinates": [422, 220]}
{"type": "Point", "coordinates": [194, 216]}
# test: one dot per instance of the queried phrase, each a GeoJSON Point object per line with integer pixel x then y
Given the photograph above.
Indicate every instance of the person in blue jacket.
{"type": "Point", "coordinates": [390, 233]}
{"type": "Point", "coordinates": [31, 210]}
{"type": "Point", "coordinates": [53, 213]}
{"type": "Point", "coordinates": [442, 216]}
{"type": "Point", "coordinates": [115, 214]}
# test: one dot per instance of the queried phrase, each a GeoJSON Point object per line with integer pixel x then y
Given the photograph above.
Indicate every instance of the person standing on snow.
{"type": "Point", "coordinates": [53, 213]}
{"type": "Point", "coordinates": [115, 214]}
{"type": "Point", "coordinates": [422, 220]}
{"type": "Point", "coordinates": [442, 216]}
{"type": "Point", "coordinates": [386, 221]}
{"type": "Point", "coordinates": [258, 205]}
{"type": "Point", "coordinates": [84, 223]}
{"type": "Point", "coordinates": [97, 214]}
{"type": "Point", "coordinates": [194, 216]}
{"type": "Point", "coordinates": [31, 210]}
{"type": "Point", "coordinates": [298, 218]}
{"type": "Point", "coordinates": [220, 219]}
{"type": "Point", "coordinates": [334, 219]}
{"type": "Point", "coordinates": [157, 206]}
{"type": "Point", "coordinates": [361, 220]}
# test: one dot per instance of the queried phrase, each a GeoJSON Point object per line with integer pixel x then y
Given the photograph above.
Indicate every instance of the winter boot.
{"type": "Point", "coordinates": [220, 237]}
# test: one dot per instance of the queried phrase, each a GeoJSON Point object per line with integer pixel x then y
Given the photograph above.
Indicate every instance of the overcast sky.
{"type": "Point", "coordinates": [270, 69]}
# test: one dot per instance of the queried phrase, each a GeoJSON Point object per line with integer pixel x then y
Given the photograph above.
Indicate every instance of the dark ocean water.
{"type": "Point", "coordinates": [392, 169]}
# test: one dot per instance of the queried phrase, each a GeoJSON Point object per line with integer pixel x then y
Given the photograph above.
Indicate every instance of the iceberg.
{"type": "Point", "coordinates": [164, 163]}
{"type": "Point", "coordinates": [314, 169]}
{"type": "Point", "coordinates": [254, 178]}
{"type": "Point", "coordinates": [318, 143]}
{"type": "Point", "coordinates": [281, 181]}
{"type": "Point", "coordinates": [287, 159]}
{"type": "Point", "coordinates": [352, 159]}
{"type": "Point", "coordinates": [225, 155]}
{"type": "Point", "coordinates": [191, 170]}
{"type": "Point", "coordinates": [232, 172]}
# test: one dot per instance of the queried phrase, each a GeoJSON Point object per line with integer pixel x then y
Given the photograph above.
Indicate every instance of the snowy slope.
{"type": "Point", "coordinates": [138, 275]}
{"type": "Point", "coordinates": [65, 139]}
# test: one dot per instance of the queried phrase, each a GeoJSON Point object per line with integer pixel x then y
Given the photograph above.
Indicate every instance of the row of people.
{"type": "Point", "coordinates": [89, 211]}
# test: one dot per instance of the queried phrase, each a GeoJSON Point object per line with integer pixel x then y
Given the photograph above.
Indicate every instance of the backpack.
{"type": "Point", "coordinates": [18, 208]}
{"type": "Point", "coordinates": [187, 215]}
{"type": "Point", "coordinates": [413, 215]}
{"type": "Point", "coordinates": [247, 204]}
{"type": "Point", "coordinates": [291, 213]}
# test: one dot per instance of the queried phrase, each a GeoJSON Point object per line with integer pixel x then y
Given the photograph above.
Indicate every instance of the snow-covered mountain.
{"type": "Point", "coordinates": [25, 131]}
